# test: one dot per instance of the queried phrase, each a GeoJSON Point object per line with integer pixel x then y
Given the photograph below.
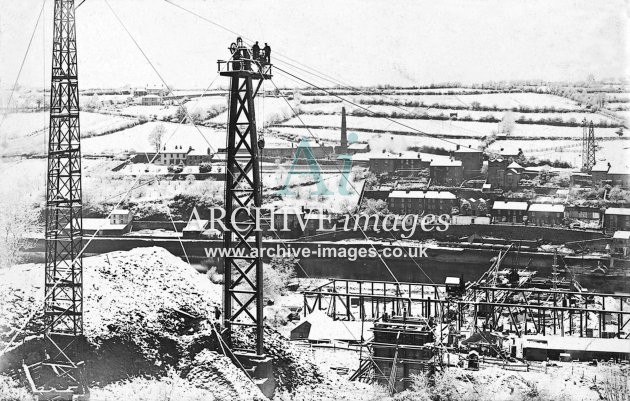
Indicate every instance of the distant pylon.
{"type": "Point", "coordinates": [588, 146]}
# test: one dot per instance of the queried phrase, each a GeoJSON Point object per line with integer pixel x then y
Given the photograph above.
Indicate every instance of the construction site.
{"type": "Point", "coordinates": [506, 312]}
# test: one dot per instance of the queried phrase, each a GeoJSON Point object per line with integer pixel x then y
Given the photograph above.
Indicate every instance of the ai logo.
{"type": "Point", "coordinates": [305, 152]}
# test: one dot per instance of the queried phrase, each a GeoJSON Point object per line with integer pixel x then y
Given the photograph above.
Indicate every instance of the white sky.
{"type": "Point", "coordinates": [360, 42]}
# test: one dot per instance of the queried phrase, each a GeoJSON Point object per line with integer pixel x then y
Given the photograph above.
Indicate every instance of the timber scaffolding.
{"type": "Point", "coordinates": [515, 309]}
{"type": "Point", "coordinates": [401, 347]}
{"type": "Point", "coordinates": [414, 323]}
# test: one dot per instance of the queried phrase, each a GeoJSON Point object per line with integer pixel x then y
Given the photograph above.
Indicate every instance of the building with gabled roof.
{"type": "Point", "coordinates": [617, 219]}
{"type": "Point", "coordinates": [545, 214]}
{"type": "Point", "coordinates": [417, 202]}
{"type": "Point", "coordinates": [509, 211]}
{"type": "Point", "coordinates": [446, 172]}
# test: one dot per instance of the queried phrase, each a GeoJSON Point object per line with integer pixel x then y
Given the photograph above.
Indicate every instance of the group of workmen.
{"type": "Point", "coordinates": [265, 56]}
{"type": "Point", "coordinates": [242, 53]}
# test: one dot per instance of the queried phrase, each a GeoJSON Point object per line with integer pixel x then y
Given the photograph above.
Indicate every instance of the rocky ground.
{"type": "Point", "coordinates": [149, 337]}
{"type": "Point", "coordinates": [147, 329]}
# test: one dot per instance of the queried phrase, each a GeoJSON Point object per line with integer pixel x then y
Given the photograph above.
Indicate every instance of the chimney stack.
{"type": "Point", "coordinates": [344, 134]}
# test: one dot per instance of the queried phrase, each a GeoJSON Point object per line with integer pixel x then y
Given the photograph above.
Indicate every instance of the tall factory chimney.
{"type": "Point", "coordinates": [344, 135]}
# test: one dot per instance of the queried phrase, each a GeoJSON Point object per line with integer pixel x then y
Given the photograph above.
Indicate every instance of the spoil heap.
{"type": "Point", "coordinates": [146, 313]}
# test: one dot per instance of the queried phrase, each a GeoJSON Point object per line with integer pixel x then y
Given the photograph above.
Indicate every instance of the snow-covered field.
{"type": "Point", "coordinates": [311, 108]}
{"type": "Point", "coordinates": [500, 100]}
{"type": "Point", "coordinates": [149, 111]}
{"type": "Point", "coordinates": [472, 129]}
{"type": "Point", "coordinates": [378, 141]}
{"type": "Point", "coordinates": [137, 139]}
{"type": "Point", "coordinates": [268, 111]}
{"type": "Point", "coordinates": [614, 151]}
{"type": "Point", "coordinates": [26, 133]}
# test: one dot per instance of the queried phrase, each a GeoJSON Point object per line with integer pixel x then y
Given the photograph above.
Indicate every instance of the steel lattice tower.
{"type": "Point", "coordinates": [243, 276]}
{"type": "Point", "coordinates": [63, 306]}
{"type": "Point", "coordinates": [588, 146]}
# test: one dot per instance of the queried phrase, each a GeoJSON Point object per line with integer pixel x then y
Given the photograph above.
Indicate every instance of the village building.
{"type": "Point", "coordinates": [472, 161]}
{"type": "Point", "coordinates": [617, 219]}
{"type": "Point", "coordinates": [512, 176]}
{"type": "Point", "coordinates": [587, 214]}
{"type": "Point", "coordinates": [116, 224]}
{"type": "Point", "coordinates": [158, 90]}
{"type": "Point", "coordinates": [621, 243]}
{"type": "Point", "coordinates": [619, 176]}
{"type": "Point", "coordinates": [151, 100]}
{"type": "Point", "coordinates": [418, 202]}
{"type": "Point", "coordinates": [599, 172]}
{"type": "Point", "coordinates": [138, 92]}
{"type": "Point", "coordinates": [358, 148]}
{"type": "Point", "coordinates": [581, 179]}
{"type": "Point", "coordinates": [542, 348]}
{"type": "Point", "coordinates": [396, 163]}
{"type": "Point", "coordinates": [496, 172]}
{"type": "Point", "coordinates": [513, 212]}
{"type": "Point", "coordinates": [196, 157]}
{"type": "Point", "coordinates": [545, 214]}
{"type": "Point", "coordinates": [446, 172]}
{"type": "Point", "coordinates": [171, 156]}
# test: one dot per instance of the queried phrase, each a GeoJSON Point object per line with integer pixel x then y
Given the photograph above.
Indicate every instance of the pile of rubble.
{"type": "Point", "coordinates": [146, 312]}
{"type": "Point", "coordinates": [216, 372]}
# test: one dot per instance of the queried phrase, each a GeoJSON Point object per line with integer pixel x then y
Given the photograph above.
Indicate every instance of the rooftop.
{"type": "Point", "coordinates": [619, 170]}
{"type": "Point", "coordinates": [615, 345]}
{"type": "Point", "coordinates": [621, 211]}
{"type": "Point", "coordinates": [621, 235]}
{"type": "Point", "coordinates": [514, 165]}
{"type": "Point", "coordinates": [200, 152]}
{"type": "Point", "coordinates": [452, 281]}
{"type": "Point", "coordinates": [175, 149]}
{"type": "Point", "coordinates": [545, 207]}
{"type": "Point", "coordinates": [196, 225]}
{"type": "Point", "coordinates": [503, 205]}
{"type": "Point", "coordinates": [468, 150]}
{"type": "Point", "coordinates": [422, 195]}
{"type": "Point", "coordinates": [600, 167]}
{"type": "Point", "coordinates": [407, 156]}
{"type": "Point", "coordinates": [120, 211]}
{"type": "Point", "coordinates": [446, 163]}
{"type": "Point", "coordinates": [92, 224]}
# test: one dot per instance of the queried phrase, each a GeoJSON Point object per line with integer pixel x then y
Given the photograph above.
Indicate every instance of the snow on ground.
{"type": "Point", "coordinates": [377, 141]}
{"type": "Point", "coordinates": [204, 102]}
{"type": "Point", "coordinates": [26, 133]}
{"type": "Point", "coordinates": [137, 139]}
{"type": "Point", "coordinates": [500, 100]}
{"type": "Point", "coordinates": [304, 192]}
{"type": "Point", "coordinates": [269, 110]}
{"type": "Point", "coordinates": [472, 129]}
{"type": "Point", "coordinates": [149, 111]}
{"type": "Point", "coordinates": [87, 99]}
{"type": "Point", "coordinates": [614, 151]}
{"type": "Point", "coordinates": [146, 168]}
{"type": "Point", "coordinates": [473, 114]}
{"type": "Point", "coordinates": [446, 128]}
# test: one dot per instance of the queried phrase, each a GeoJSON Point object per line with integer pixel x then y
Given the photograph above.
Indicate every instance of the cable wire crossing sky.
{"type": "Point", "coordinates": [358, 42]}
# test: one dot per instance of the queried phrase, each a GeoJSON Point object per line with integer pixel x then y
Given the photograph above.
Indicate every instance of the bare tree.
{"type": "Point", "coordinates": [155, 138]}
{"type": "Point", "coordinates": [506, 126]}
{"type": "Point", "coordinates": [17, 223]}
